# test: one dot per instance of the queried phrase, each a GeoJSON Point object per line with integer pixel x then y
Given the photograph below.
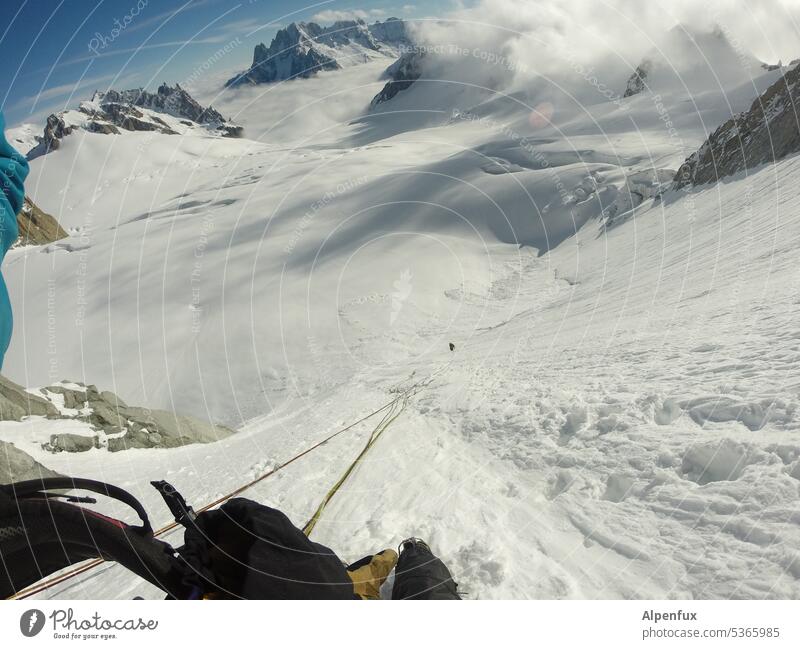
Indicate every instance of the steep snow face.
{"type": "Point", "coordinates": [301, 50]}
{"type": "Point", "coordinates": [610, 424]}
{"type": "Point", "coordinates": [619, 417]}
{"type": "Point", "coordinates": [23, 137]}
{"type": "Point", "coordinates": [769, 131]}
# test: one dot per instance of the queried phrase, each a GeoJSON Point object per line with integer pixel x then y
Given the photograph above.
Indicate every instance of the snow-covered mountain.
{"type": "Point", "coordinates": [173, 101]}
{"type": "Point", "coordinates": [24, 137]}
{"type": "Point", "coordinates": [693, 58]}
{"type": "Point", "coordinates": [620, 415]}
{"type": "Point", "coordinates": [401, 74]}
{"type": "Point", "coordinates": [767, 132]}
{"type": "Point", "coordinates": [303, 49]}
{"type": "Point", "coordinates": [170, 110]}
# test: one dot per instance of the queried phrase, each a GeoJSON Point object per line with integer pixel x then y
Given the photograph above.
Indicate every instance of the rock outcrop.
{"type": "Point", "coordinates": [173, 101]}
{"type": "Point", "coordinates": [766, 133]}
{"type": "Point", "coordinates": [401, 74]}
{"type": "Point", "coordinates": [133, 110]}
{"type": "Point", "coordinates": [121, 426]}
{"type": "Point", "coordinates": [638, 80]}
{"type": "Point", "coordinates": [54, 129]}
{"type": "Point", "coordinates": [110, 423]}
{"type": "Point", "coordinates": [16, 465]}
{"type": "Point", "coordinates": [37, 227]}
{"type": "Point", "coordinates": [16, 403]}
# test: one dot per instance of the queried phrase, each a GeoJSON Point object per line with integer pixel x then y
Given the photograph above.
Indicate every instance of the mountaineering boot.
{"type": "Point", "coordinates": [369, 573]}
{"type": "Point", "coordinates": [420, 574]}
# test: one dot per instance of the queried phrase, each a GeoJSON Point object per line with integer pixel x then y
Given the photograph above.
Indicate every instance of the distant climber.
{"type": "Point", "coordinates": [452, 347]}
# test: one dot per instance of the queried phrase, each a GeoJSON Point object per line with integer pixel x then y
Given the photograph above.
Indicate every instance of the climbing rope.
{"type": "Point", "coordinates": [392, 413]}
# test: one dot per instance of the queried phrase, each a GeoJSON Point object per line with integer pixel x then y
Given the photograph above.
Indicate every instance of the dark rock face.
{"type": "Point", "coordinates": [16, 403]}
{"type": "Point", "coordinates": [768, 132]}
{"type": "Point", "coordinates": [54, 130]}
{"type": "Point", "coordinates": [130, 119]}
{"type": "Point", "coordinates": [108, 112]}
{"type": "Point", "coordinates": [392, 31]}
{"type": "Point", "coordinates": [291, 54]}
{"type": "Point", "coordinates": [16, 465]}
{"type": "Point", "coordinates": [638, 80]}
{"type": "Point", "coordinates": [102, 127]}
{"type": "Point", "coordinates": [37, 227]}
{"type": "Point", "coordinates": [230, 130]}
{"type": "Point", "coordinates": [295, 51]}
{"type": "Point", "coordinates": [172, 101]}
{"type": "Point", "coordinates": [123, 426]}
{"type": "Point", "coordinates": [119, 426]}
{"type": "Point", "coordinates": [402, 74]}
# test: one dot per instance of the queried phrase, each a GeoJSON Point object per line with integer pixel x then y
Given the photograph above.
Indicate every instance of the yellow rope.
{"type": "Point", "coordinates": [384, 423]}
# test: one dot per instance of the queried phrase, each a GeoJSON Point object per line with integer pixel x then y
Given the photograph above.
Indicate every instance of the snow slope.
{"type": "Point", "coordinates": [618, 419]}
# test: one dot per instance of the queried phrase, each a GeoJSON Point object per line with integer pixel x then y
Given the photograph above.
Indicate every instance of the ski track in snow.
{"type": "Point", "coordinates": [618, 418]}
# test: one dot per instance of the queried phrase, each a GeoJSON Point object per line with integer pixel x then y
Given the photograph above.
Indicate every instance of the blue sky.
{"type": "Point", "coordinates": [57, 52]}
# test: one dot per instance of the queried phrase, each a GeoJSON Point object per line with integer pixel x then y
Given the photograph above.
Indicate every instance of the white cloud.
{"type": "Point", "coordinates": [612, 36]}
{"type": "Point", "coordinates": [407, 9]}
{"type": "Point", "coordinates": [627, 28]}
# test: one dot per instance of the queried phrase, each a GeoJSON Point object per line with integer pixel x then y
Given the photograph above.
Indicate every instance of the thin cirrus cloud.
{"type": "Point", "coordinates": [220, 38]}
{"type": "Point", "coordinates": [62, 90]}
{"type": "Point", "coordinates": [59, 97]}
{"type": "Point", "coordinates": [332, 15]}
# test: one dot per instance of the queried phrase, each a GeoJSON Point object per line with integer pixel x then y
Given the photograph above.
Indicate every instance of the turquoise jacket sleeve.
{"type": "Point", "coordinates": [13, 170]}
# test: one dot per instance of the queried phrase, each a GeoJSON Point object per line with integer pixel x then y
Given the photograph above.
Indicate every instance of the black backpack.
{"type": "Point", "coordinates": [247, 550]}
{"type": "Point", "coordinates": [241, 550]}
{"type": "Point", "coordinates": [40, 533]}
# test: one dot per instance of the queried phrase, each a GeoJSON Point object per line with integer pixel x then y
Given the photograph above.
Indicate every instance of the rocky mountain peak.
{"type": "Point", "coordinates": [133, 110]}
{"type": "Point", "coordinates": [302, 49]}
{"type": "Point", "coordinates": [766, 133]}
